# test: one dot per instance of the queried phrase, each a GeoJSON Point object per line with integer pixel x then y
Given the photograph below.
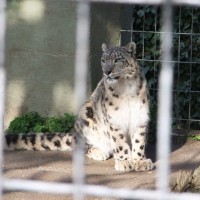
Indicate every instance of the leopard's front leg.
{"type": "Point", "coordinates": [138, 140]}
{"type": "Point", "coordinates": [121, 150]}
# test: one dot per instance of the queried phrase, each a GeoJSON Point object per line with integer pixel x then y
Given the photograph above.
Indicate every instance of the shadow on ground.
{"type": "Point", "coordinates": [57, 167]}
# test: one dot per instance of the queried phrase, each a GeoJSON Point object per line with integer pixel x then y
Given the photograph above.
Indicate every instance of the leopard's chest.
{"type": "Point", "coordinates": [127, 113]}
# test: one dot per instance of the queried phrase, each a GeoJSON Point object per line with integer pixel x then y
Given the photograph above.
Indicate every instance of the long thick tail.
{"type": "Point", "coordinates": [39, 141]}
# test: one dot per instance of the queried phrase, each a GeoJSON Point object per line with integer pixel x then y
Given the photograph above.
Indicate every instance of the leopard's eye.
{"type": "Point", "coordinates": [103, 60]}
{"type": "Point", "coordinates": [117, 60]}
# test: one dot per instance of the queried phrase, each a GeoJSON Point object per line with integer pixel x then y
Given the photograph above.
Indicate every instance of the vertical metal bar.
{"type": "Point", "coordinates": [155, 46]}
{"type": "Point", "coordinates": [143, 36]}
{"type": "Point", "coordinates": [178, 78]}
{"type": "Point", "coordinates": [132, 27]}
{"type": "Point", "coordinates": [81, 63]}
{"type": "Point", "coordinates": [82, 51]}
{"type": "Point", "coordinates": [190, 95]}
{"type": "Point", "coordinates": [165, 101]}
{"type": "Point", "coordinates": [2, 84]}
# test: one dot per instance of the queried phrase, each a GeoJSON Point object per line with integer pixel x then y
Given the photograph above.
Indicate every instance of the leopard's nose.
{"type": "Point", "coordinates": [108, 72]}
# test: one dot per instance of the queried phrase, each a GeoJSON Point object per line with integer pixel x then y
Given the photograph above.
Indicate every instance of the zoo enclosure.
{"type": "Point", "coordinates": [145, 30]}
{"type": "Point", "coordinates": [78, 188]}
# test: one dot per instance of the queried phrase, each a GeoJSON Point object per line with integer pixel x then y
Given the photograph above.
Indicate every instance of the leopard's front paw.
{"type": "Point", "coordinates": [96, 154]}
{"type": "Point", "coordinates": [143, 165]}
{"type": "Point", "coordinates": [124, 165]}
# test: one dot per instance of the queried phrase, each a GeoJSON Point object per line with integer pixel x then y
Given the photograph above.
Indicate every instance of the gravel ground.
{"type": "Point", "coordinates": [57, 167]}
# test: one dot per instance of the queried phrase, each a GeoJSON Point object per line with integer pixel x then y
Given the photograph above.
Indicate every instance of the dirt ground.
{"type": "Point", "coordinates": [57, 167]}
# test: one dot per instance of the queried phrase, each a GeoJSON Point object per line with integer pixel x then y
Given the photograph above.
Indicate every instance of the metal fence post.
{"type": "Point", "coordinates": [81, 66]}
{"type": "Point", "coordinates": [2, 84]}
{"type": "Point", "coordinates": [165, 100]}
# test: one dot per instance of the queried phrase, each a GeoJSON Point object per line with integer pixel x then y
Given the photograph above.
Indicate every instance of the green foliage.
{"type": "Point", "coordinates": [195, 137]}
{"type": "Point", "coordinates": [33, 122]}
{"type": "Point", "coordinates": [25, 123]}
{"type": "Point", "coordinates": [146, 33]}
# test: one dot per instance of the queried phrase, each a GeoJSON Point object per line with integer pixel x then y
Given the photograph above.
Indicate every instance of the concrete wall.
{"type": "Point", "coordinates": [105, 28]}
{"type": "Point", "coordinates": [40, 57]}
{"type": "Point", "coordinates": [107, 21]}
{"type": "Point", "coordinates": [41, 51]}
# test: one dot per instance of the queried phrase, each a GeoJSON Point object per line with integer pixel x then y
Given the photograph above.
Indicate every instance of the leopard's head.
{"type": "Point", "coordinates": [119, 62]}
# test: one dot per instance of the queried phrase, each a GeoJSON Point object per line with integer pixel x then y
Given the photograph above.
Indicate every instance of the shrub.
{"type": "Point", "coordinates": [33, 122]}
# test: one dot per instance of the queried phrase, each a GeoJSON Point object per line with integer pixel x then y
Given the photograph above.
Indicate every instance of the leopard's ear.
{"type": "Point", "coordinates": [131, 48]}
{"type": "Point", "coordinates": [104, 47]}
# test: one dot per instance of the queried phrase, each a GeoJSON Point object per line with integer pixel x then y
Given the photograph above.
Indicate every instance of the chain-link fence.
{"type": "Point", "coordinates": [145, 30]}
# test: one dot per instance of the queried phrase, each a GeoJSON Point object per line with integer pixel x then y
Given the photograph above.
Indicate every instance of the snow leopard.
{"type": "Point", "coordinates": [114, 120]}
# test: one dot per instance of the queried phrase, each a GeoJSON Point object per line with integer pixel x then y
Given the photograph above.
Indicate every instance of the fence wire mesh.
{"type": "Point", "coordinates": [146, 31]}
{"type": "Point", "coordinates": [164, 113]}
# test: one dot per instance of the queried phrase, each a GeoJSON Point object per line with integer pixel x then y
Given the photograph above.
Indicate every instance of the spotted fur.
{"type": "Point", "coordinates": [113, 122]}
{"type": "Point", "coordinates": [39, 141]}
